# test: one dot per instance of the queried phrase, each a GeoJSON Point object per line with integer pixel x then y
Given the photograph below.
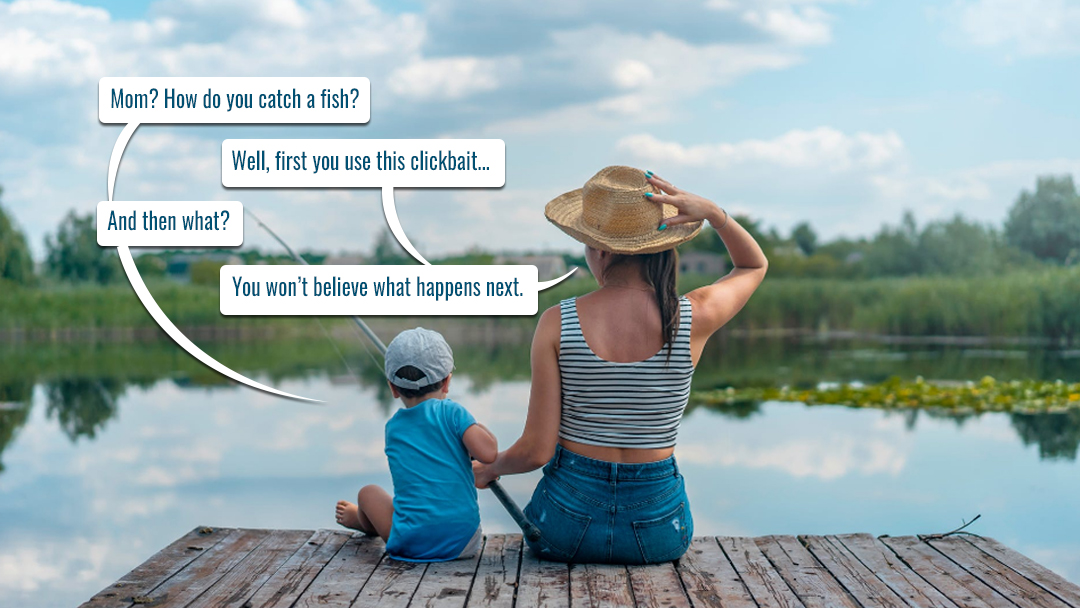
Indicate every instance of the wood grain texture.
{"type": "Point", "coordinates": [392, 584]}
{"type": "Point", "coordinates": [497, 574]}
{"type": "Point", "coordinates": [600, 586]}
{"type": "Point", "coordinates": [951, 580]}
{"type": "Point", "coordinates": [446, 584]}
{"type": "Point", "coordinates": [1034, 571]}
{"type": "Point", "coordinates": [240, 583]}
{"type": "Point", "coordinates": [290, 581]}
{"type": "Point", "coordinates": [860, 581]}
{"type": "Point", "coordinates": [146, 577]}
{"type": "Point", "coordinates": [242, 568]}
{"type": "Point", "coordinates": [1003, 579]}
{"type": "Point", "coordinates": [765, 584]}
{"type": "Point", "coordinates": [341, 579]}
{"type": "Point", "coordinates": [206, 570]}
{"type": "Point", "coordinates": [813, 584]}
{"type": "Point", "coordinates": [709, 578]}
{"type": "Point", "coordinates": [541, 583]}
{"type": "Point", "coordinates": [657, 586]}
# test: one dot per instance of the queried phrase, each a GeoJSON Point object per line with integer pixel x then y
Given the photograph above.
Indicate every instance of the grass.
{"type": "Point", "coordinates": [1032, 304]}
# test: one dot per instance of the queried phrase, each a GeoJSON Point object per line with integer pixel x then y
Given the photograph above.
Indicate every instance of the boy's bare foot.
{"type": "Point", "coordinates": [348, 515]}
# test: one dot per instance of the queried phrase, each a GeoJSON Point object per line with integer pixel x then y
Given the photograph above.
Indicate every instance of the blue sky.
{"type": "Point", "coordinates": [840, 113]}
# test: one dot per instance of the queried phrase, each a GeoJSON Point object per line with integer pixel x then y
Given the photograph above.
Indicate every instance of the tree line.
{"type": "Point", "coordinates": [1042, 228]}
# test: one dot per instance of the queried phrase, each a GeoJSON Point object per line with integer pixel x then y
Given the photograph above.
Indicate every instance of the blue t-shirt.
{"type": "Point", "coordinates": [435, 509]}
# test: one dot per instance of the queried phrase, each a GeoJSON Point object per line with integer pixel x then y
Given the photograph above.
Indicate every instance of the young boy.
{"type": "Point", "coordinates": [433, 515]}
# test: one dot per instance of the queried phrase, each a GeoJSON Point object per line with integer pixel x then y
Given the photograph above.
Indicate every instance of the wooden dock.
{"type": "Point", "coordinates": [245, 568]}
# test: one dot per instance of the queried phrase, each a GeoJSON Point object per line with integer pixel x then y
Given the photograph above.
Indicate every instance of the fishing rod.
{"type": "Point", "coordinates": [527, 527]}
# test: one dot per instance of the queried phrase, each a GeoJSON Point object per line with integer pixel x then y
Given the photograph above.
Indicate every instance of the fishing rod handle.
{"type": "Point", "coordinates": [528, 528]}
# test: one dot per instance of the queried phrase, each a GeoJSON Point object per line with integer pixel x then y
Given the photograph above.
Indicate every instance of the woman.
{"type": "Point", "coordinates": [611, 372]}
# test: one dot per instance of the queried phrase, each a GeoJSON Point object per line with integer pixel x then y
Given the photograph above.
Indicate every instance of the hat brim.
{"type": "Point", "coordinates": [565, 211]}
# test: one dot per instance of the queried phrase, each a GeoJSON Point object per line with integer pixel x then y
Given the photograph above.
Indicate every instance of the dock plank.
{"type": "Point", "coordinates": [497, 574]}
{"type": "Point", "coordinates": [810, 581]}
{"type": "Point", "coordinates": [765, 584]}
{"type": "Point", "coordinates": [657, 586]}
{"type": "Point", "coordinates": [542, 584]}
{"type": "Point", "coordinates": [240, 583]}
{"type": "Point", "coordinates": [948, 578]}
{"type": "Point", "coordinates": [146, 577]}
{"type": "Point", "coordinates": [202, 572]}
{"type": "Point", "coordinates": [242, 568]}
{"type": "Point", "coordinates": [392, 584]}
{"type": "Point", "coordinates": [600, 586]}
{"type": "Point", "coordinates": [290, 581]}
{"type": "Point", "coordinates": [446, 584]}
{"type": "Point", "coordinates": [894, 571]}
{"type": "Point", "coordinates": [340, 580]}
{"type": "Point", "coordinates": [859, 580]}
{"type": "Point", "coordinates": [1034, 571]}
{"type": "Point", "coordinates": [995, 574]}
{"type": "Point", "coordinates": [710, 579]}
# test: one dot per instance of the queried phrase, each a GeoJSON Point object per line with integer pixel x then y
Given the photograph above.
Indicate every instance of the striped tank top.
{"type": "Point", "coordinates": [623, 405]}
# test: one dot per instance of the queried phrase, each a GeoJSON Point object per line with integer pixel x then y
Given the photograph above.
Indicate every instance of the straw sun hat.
{"type": "Point", "coordinates": [612, 213]}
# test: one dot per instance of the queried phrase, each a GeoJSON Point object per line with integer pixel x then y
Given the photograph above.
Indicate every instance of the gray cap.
{"type": "Point", "coordinates": [423, 349]}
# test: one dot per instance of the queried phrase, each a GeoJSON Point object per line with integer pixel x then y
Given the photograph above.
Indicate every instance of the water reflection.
{"type": "Point", "coordinates": [84, 383]}
{"type": "Point", "coordinates": [1057, 434]}
{"type": "Point", "coordinates": [114, 451]}
{"type": "Point", "coordinates": [82, 406]}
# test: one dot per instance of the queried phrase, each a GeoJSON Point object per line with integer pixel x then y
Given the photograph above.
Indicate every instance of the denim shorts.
{"type": "Point", "coordinates": [592, 511]}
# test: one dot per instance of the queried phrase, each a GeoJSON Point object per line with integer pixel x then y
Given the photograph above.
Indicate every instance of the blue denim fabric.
{"type": "Point", "coordinates": [592, 511]}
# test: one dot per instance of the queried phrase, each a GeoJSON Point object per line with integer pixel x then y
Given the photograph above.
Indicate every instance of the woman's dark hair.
{"type": "Point", "coordinates": [409, 372]}
{"type": "Point", "coordinates": [662, 273]}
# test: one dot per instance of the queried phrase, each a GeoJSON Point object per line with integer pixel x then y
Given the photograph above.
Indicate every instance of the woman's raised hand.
{"type": "Point", "coordinates": [692, 207]}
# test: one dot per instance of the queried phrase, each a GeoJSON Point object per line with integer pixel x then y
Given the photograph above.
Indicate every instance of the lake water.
{"type": "Point", "coordinates": [111, 452]}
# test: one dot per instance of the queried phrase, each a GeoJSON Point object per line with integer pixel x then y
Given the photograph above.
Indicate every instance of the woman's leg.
{"type": "Point", "coordinates": [372, 514]}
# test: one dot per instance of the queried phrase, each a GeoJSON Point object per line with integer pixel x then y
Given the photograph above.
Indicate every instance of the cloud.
{"type": "Point", "coordinates": [808, 26]}
{"type": "Point", "coordinates": [1030, 27]}
{"type": "Point", "coordinates": [29, 568]}
{"type": "Point", "coordinates": [846, 183]}
{"type": "Point", "coordinates": [820, 148]}
{"type": "Point", "coordinates": [449, 78]}
{"type": "Point", "coordinates": [826, 459]}
{"type": "Point", "coordinates": [565, 68]}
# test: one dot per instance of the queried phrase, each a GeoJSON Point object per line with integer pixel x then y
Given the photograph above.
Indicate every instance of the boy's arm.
{"type": "Point", "coordinates": [481, 443]}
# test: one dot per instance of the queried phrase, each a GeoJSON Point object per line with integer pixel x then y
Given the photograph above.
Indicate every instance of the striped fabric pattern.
{"type": "Point", "coordinates": [623, 405]}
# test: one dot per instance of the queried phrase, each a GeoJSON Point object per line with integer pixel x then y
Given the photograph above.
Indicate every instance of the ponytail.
{"type": "Point", "coordinates": [662, 273]}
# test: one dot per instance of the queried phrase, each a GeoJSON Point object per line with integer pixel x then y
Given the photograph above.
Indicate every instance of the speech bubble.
{"type": "Point", "coordinates": [170, 224]}
{"type": "Point", "coordinates": [379, 290]}
{"type": "Point", "coordinates": [168, 100]}
{"type": "Point", "coordinates": [250, 100]}
{"type": "Point", "coordinates": [365, 163]}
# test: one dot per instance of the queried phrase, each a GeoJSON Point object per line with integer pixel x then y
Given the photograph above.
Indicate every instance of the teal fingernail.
{"type": "Point", "coordinates": [662, 226]}
{"type": "Point", "coordinates": [648, 174]}
{"type": "Point", "coordinates": [648, 194]}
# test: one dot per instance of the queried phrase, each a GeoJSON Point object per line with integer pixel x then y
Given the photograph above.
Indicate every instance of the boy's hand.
{"type": "Point", "coordinates": [483, 474]}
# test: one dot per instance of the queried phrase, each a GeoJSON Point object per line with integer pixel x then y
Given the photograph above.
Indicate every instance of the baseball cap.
{"type": "Point", "coordinates": [424, 349]}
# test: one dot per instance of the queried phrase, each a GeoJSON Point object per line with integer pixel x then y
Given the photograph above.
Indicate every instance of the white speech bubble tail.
{"type": "Point", "coordinates": [542, 285]}
{"type": "Point", "coordinates": [118, 152]}
{"type": "Point", "coordinates": [395, 225]}
{"type": "Point", "coordinates": [155, 311]}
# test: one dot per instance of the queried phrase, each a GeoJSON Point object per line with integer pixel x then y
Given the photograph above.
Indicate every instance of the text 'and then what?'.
{"type": "Point", "coordinates": [152, 221]}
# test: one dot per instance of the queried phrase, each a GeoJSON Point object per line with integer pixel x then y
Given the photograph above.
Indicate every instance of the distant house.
{"type": "Point", "coordinates": [548, 266]}
{"type": "Point", "coordinates": [702, 262]}
{"type": "Point", "coordinates": [345, 259]}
